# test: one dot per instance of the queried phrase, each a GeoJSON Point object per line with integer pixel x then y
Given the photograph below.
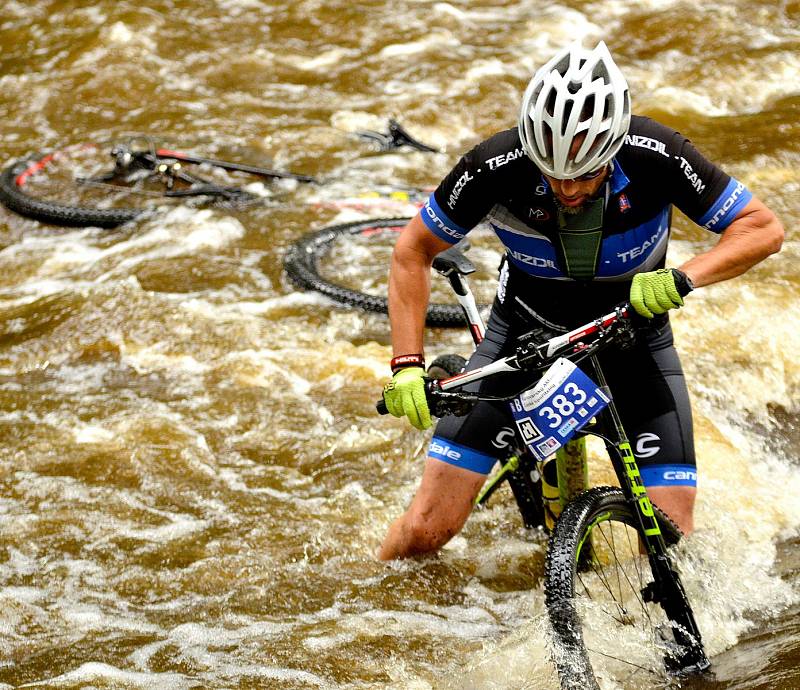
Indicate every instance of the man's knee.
{"type": "Point", "coordinates": [439, 510]}
{"type": "Point", "coordinates": [677, 502]}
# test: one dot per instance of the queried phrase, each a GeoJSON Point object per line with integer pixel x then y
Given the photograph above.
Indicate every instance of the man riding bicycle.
{"type": "Point", "coordinates": [580, 194]}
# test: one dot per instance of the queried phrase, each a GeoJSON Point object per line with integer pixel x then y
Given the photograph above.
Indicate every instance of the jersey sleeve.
{"type": "Point", "coordinates": [705, 193]}
{"type": "Point", "coordinates": [463, 198]}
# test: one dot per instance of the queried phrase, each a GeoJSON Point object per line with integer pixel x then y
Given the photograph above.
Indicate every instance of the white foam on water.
{"type": "Point", "coordinates": [234, 672]}
{"type": "Point", "coordinates": [200, 635]}
{"type": "Point", "coordinates": [480, 69]}
{"type": "Point", "coordinates": [749, 88]}
{"type": "Point", "coordinates": [476, 17]}
{"type": "Point", "coordinates": [318, 643]}
{"type": "Point", "coordinates": [179, 232]}
{"type": "Point", "coordinates": [91, 433]}
{"type": "Point", "coordinates": [435, 41]}
{"type": "Point", "coordinates": [119, 33]}
{"type": "Point", "coordinates": [551, 30]}
{"type": "Point", "coordinates": [456, 624]}
{"type": "Point", "coordinates": [22, 9]}
{"type": "Point", "coordinates": [196, 641]}
{"type": "Point", "coordinates": [152, 358]}
{"type": "Point", "coordinates": [72, 262]}
{"type": "Point", "coordinates": [178, 528]}
{"type": "Point", "coordinates": [324, 60]}
{"type": "Point", "coordinates": [289, 301]}
{"type": "Point", "coordinates": [27, 595]}
{"type": "Point", "coordinates": [357, 439]}
{"type": "Point", "coordinates": [19, 563]}
{"type": "Point", "coordinates": [261, 370]}
{"type": "Point", "coordinates": [120, 42]}
{"type": "Point", "coordinates": [83, 618]}
{"type": "Point", "coordinates": [97, 672]}
{"type": "Point", "coordinates": [236, 7]}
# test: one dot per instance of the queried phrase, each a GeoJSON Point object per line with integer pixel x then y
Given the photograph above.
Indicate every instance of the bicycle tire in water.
{"type": "Point", "coordinates": [582, 588]}
{"type": "Point", "coordinates": [302, 264]}
{"type": "Point", "coordinates": [15, 195]}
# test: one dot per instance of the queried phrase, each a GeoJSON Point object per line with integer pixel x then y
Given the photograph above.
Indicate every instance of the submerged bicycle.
{"type": "Point", "coordinates": [106, 186]}
{"type": "Point", "coordinates": [612, 591]}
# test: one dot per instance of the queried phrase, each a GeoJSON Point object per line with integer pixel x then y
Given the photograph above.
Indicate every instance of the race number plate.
{"type": "Point", "coordinates": [560, 404]}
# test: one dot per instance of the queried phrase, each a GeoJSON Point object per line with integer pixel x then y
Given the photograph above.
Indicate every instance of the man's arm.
{"type": "Point", "coordinates": [409, 285]}
{"type": "Point", "coordinates": [753, 235]}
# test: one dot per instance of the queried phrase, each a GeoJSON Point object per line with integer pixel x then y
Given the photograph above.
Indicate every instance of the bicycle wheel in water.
{"type": "Point", "coordinates": [108, 185]}
{"type": "Point", "coordinates": [43, 187]}
{"type": "Point", "coordinates": [349, 262]}
{"type": "Point", "coordinates": [597, 586]}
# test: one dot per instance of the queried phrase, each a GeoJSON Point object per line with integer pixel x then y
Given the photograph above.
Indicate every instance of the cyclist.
{"type": "Point", "coordinates": [580, 194]}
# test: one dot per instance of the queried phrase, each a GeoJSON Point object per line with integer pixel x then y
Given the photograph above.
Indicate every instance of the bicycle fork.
{"type": "Point", "coordinates": [666, 590]}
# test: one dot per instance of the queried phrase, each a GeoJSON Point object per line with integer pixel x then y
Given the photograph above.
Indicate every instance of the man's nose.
{"type": "Point", "coordinates": [568, 187]}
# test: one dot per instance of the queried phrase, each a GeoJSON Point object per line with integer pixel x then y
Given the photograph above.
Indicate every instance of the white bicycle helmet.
{"type": "Point", "coordinates": [579, 92]}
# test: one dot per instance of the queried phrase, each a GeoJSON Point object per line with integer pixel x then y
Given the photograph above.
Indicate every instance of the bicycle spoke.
{"type": "Point", "coordinates": [622, 577]}
{"type": "Point", "coordinates": [638, 667]}
{"type": "Point", "coordinates": [636, 590]}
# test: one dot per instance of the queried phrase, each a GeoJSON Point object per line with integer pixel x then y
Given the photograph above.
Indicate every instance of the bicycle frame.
{"type": "Point", "coordinates": [167, 164]}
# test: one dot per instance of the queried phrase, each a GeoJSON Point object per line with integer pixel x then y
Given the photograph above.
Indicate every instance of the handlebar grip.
{"type": "Point", "coordinates": [380, 406]}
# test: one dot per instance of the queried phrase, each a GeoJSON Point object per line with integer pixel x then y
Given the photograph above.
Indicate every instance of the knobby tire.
{"type": "Point", "coordinates": [303, 259]}
{"type": "Point", "coordinates": [565, 570]}
{"type": "Point", "coordinates": [14, 197]}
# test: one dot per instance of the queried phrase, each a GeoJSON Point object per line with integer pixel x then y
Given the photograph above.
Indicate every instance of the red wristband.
{"type": "Point", "coordinates": [403, 361]}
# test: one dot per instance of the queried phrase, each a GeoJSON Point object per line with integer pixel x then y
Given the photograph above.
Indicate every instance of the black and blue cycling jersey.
{"type": "Point", "coordinates": [655, 169]}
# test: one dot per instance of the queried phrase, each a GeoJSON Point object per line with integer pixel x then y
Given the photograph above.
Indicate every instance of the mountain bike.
{"type": "Point", "coordinates": [106, 185]}
{"type": "Point", "coordinates": [612, 591]}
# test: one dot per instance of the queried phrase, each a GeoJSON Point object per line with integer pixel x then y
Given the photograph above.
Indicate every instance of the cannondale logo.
{"type": "Point", "coordinates": [503, 438]}
{"type": "Point", "coordinates": [647, 451]}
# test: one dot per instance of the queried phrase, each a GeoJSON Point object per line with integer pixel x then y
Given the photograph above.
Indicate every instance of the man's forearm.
{"type": "Point", "coordinates": [750, 239]}
{"type": "Point", "coordinates": [410, 285]}
{"type": "Point", "coordinates": [409, 292]}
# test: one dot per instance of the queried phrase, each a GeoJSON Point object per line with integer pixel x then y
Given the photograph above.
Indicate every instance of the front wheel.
{"type": "Point", "coordinates": [598, 593]}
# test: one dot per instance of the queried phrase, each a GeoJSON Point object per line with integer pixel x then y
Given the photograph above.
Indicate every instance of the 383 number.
{"type": "Point", "coordinates": [563, 405]}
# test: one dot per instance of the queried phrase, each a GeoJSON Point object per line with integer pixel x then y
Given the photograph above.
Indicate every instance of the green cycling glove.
{"type": "Point", "coordinates": [656, 292]}
{"type": "Point", "coordinates": [404, 396]}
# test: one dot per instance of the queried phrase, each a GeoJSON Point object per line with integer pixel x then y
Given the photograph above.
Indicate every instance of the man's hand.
{"type": "Point", "coordinates": [405, 397]}
{"type": "Point", "coordinates": [656, 292]}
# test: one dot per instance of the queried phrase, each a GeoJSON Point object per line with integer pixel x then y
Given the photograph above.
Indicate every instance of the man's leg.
{"type": "Point", "coordinates": [438, 511]}
{"type": "Point", "coordinates": [677, 502]}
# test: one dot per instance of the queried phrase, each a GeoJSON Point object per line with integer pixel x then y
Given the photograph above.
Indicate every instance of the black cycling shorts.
{"type": "Point", "coordinates": [647, 385]}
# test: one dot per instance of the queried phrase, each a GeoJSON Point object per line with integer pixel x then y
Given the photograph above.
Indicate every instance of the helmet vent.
{"type": "Point", "coordinates": [550, 106]}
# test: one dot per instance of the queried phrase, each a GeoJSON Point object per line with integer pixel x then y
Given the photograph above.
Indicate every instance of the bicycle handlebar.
{"type": "Point", "coordinates": [444, 396]}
